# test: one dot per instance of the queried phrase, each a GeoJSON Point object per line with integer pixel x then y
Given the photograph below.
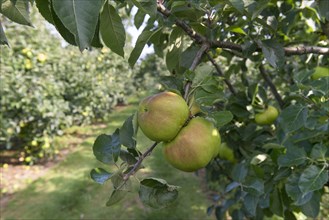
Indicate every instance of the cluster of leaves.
{"type": "Point", "coordinates": [46, 87]}
{"type": "Point", "coordinates": [279, 169]}
{"type": "Point", "coordinates": [119, 149]}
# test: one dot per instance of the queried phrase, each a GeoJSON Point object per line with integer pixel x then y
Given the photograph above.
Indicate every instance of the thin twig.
{"type": "Point", "coordinates": [196, 61]}
{"type": "Point", "coordinates": [268, 80]}
{"type": "Point", "coordinates": [198, 38]}
{"type": "Point", "coordinates": [220, 73]}
{"type": "Point", "coordinates": [140, 160]}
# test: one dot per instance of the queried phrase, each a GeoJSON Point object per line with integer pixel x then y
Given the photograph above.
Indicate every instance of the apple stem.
{"type": "Point", "coordinates": [139, 162]}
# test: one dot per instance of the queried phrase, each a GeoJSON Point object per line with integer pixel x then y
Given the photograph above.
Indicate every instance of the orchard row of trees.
{"type": "Point", "coordinates": [234, 58]}
{"type": "Point", "coordinates": [46, 86]}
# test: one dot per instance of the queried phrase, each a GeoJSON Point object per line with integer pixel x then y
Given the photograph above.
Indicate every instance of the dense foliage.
{"type": "Point", "coordinates": [234, 58]}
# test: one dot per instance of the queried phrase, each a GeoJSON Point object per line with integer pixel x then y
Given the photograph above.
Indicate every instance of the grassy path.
{"type": "Point", "coordinates": [67, 192]}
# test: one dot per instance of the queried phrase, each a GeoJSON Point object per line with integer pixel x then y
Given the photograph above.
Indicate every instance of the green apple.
{"type": "Point", "coordinates": [226, 153]}
{"type": "Point", "coordinates": [194, 147]}
{"type": "Point", "coordinates": [162, 116]}
{"type": "Point", "coordinates": [267, 117]}
{"type": "Point", "coordinates": [320, 72]}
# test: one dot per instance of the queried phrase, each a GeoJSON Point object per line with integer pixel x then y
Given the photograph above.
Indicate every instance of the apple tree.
{"type": "Point", "coordinates": [257, 69]}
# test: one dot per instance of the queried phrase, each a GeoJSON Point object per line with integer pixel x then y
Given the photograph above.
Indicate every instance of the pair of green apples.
{"type": "Point", "coordinates": [188, 145]}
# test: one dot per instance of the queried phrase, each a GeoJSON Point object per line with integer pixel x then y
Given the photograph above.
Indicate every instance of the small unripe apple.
{"type": "Point", "coordinates": [226, 153]}
{"type": "Point", "coordinates": [267, 117]}
{"type": "Point", "coordinates": [42, 57]}
{"type": "Point", "coordinates": [194, 147]}
{"type": "Point", "coordinates": [162, 116]}
{"type": "Point", "coordinates": [320, 72]}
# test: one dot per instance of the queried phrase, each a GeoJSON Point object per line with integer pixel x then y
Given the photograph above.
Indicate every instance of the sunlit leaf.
{"type": "Point", "coordinates": [80, 18]}
{"type": "Point", "coordinates": [237, 30]}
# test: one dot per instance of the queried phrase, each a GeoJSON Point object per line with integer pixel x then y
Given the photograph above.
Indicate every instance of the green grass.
{"type": "Point", "coordinates": [67, 192]}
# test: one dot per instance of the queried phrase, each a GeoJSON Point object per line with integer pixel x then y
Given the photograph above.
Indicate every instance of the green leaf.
{"type": "Point", "coordinates": [80, 18]}
{"type": "Point", "coordinates": [324, 8]}
{"type": "Point", "coordinates": [222, 118]}
{"type": "Point", "coordinates": [188, 55]}
{"type": "Point", "coordinates": [148, 7]}
{"type": "Point", "coordinates": [254, 186]}
{"type": "Point", "coordinates": [294, 192]}
{"type": "Point", "coordinates": [250, 203]}
{"type": "Point", "coordinates": [64, 32]}
{"type": "Point", "coordinates": [127, 157]}
{"type": "Point", "coordinates": [3, 38]}
{"type": "Point", "coordinates": [175, 48]}
{"type": "Point", "coordinates": [119, 183]}
{"type": "Point", "coordinates": [17, 11]}
{"type": "Point", "coordinates": [100, 175]}
{"type": "Point", "coordinates": [143, 38]}
{"type": "Point", "coordinates": [201, 73]}
{"type": "Point", "coordinates": [207, 98]}
{"type": "Point", "coordinates": [295, 156]}
{"type": "Point", "coordinates": [276, 202]}
{"type": "Point", "coordinates": [139, 18]}
{"type": "Point", "coordinates": [157, 193]}
{"type": "Point", "coordinates": [116, 196]}
{"type": "Point", "coordinates": [261, 5]}
{"type": "Point", "coordinates": [237, 4]}
{"type": "Point", "coordinates": [96, 42]}
{"type": "Point", "coordinates": [44, 7]}
{"type": "Point", "coordinates": [239, 172]}
{"type": "Point", "coordinates": [273, 52]}
{"type": "Point", "coordinates": [293, 118]}
{"type": "Point", "coordinates": [319, 152]}
{"type": "Point", "coordinates": [312, 207]}
{"type": "Point", "coordinates": [231, 186]}
{"type": "Point", "coordinates": [237, 30]}
{"type": "Point", "coordinates": [127, 133]}
{"type": "Point", "coordinates": [112, 30]}
{"type": "Point", "coordinates": [313, 178]}
{"type": "Point", "coordinates": [107, 147]}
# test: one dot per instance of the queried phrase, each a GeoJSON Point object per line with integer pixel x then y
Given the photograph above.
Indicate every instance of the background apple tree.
{"type": "Point", "coordinates": [234, 58]}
